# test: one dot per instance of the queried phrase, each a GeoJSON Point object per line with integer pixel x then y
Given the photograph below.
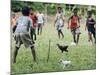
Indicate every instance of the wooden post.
{"type": "Point", "coordinates": [48, 52]}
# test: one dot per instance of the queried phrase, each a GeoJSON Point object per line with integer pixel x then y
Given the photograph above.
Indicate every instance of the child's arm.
{"type": "Point", "coordinates": [68, 22]}
{"type": "Point", "coordinates": [94, 23]}
{"type": "Point", "coordinates": [78, 22]}
{"type": "Point", "coordinates": [55, 20]}
{"type": "Point", "coordinates": [43, 17]}
{"type": "Point", "coordinates": [14, 27]}
{"type": "Point", "coordinates": [86, 25]}
{"type": "Point", "coordinates": [63, 20]}
{"type": "Point", "coordinates": [30, 23]}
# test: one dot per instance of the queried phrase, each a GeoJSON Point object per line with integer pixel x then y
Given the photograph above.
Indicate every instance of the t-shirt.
{"type": "Point", "coordinates": [34, 20]}
{"type": "Point", "coordinates": [74, 21]}
{"type": "Point", "coordinates": [90, 23]}
{"type": "Point", "coordinates": [59, 18]}
{"type": "Point", "coordinates": [23, 24]}
{"type": "Point", "coordinates": [40, 18]}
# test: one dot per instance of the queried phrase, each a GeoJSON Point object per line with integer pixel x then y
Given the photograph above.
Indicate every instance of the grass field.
{"type": "Point", "coordinates": [82, 56]}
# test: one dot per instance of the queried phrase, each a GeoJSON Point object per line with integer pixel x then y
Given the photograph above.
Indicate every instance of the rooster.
{"type": "Point", "coordinates": [63, 48]}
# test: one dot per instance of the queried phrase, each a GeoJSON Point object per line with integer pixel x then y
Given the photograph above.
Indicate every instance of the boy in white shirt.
{"type": "Point", "coordinates": [40, 21]}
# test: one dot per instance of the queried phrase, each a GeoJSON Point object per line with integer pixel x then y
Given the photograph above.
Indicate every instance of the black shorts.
{"type": "Point", "coordinates": [92, 30]}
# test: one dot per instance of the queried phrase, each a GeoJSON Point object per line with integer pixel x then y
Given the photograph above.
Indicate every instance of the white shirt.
{"type": "Point", "coordinates": [59, 18]}
{"type": "Point", "coordinates": [40, 18]}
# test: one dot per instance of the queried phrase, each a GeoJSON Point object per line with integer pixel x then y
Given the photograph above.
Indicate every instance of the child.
{"type": "Point", "coordinates": [13, 22]}
{"type": "Point", "coordinates": [23, 23]}
{"type": "Point", "coordinates": [74, 26]}
{"type": "Point", "coordinates": [90, 25]}
{"type": "Point", "coordinates": [34, 20]}
{"type": "Point", "coordinates": [40, 21]}
{"type": "Point", "coordinates": [59, 22]}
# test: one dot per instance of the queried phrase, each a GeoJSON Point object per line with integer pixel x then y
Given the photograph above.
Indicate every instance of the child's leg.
{"type": "Point", "coordinates": [59, 34]}
{"type": "Point", "coordinates": [78, 35]}
{"type": "Point", "coordinates": [31, 33]}
{"type": "Point", "coordinates": [90, 35]}
{"type": "Point", "coordinates": [41, 29]}
{"type": "Point", "coordinates": [62, 34]}
{"type": "Point", "coordinates": [27, 41]}
{"type": "Point", "coordinates": [34, 36]}
{"type": "Point", "coordinates": [94, 35]}
{"type": "Point", "coordinates": [15, 54]}
{"type": "Point", "coordinates": [74, 35]}
{"type": "Point", "coordinates": [34, 33]}
{"type": "Point", "coordinates": [38, 28]}
{"type": "Point", "coordinates": [18, 44]}
{"type": "Point", "coordinates": [33, 53]}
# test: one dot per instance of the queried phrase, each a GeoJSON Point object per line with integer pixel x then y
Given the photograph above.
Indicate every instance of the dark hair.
{"type": "Point", "coordinates": [31, 8]}
{"type": "Point", "coordinates": [59, 10]}
{"type": "Point", "coordinates": [89, 13]}
{"type": "Point", "coordinates": [25, 11]}
{"type": "Point", "coordinates": [31, 13]}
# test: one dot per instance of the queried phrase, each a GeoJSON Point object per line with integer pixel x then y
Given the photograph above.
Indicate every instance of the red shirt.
{"type": "Point", "coordinates": [34, 20]}
{"type": "Point", "coordinates": [74, 21]}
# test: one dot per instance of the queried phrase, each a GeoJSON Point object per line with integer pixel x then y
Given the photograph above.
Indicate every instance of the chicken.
{"type": "Point", "coordinates": [64, 63]}
{"type": "Point", "coordinates": [62, 48]}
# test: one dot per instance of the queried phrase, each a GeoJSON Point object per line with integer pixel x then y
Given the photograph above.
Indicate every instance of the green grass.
{"type": "Point", "coordinates": [82, 56]}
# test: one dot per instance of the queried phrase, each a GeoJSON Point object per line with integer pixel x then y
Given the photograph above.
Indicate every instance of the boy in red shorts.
{"type": "Point", "coordinates": [74, 25]}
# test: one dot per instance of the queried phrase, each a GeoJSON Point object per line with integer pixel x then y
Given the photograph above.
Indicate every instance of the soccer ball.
{"type": "Point", "coordinates": [73, 44]}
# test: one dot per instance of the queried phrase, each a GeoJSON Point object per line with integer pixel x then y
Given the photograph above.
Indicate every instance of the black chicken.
{"type": "Point", "coordinates": [63, 48]}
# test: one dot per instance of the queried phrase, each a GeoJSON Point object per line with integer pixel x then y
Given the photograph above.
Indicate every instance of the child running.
{"type": "Point", "coordinates": [90, 26]}
{"type": "Point", "coordinates": [74, 25]}
{"type": "Point", "coordinates": [23, 23]}
{"type": "Point", "coordinates": [34, 20]}
{"type": "Point", "coordinates": [59, 22]}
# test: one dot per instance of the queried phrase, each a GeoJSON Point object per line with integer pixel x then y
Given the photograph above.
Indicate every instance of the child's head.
{"type": "Point", "coordinates": [31, 11]}
{"type": "Point", "coordinates": [89, 14]}
{"type": "Point", "coordinates": [25, 11]}
{"type": "Point", "coordinates": [13, 15]}
{"type": "Point", "coordinates": [75, 12]}
{"type": "Point", "coordinates": [59, 9]}
{"type": "Point", "coordinates": [40, 12]}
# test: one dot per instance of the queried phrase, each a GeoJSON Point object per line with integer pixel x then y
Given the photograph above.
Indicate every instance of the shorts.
{"type": "Point", "coordinates": [23, 38]}
{"type": "Point", "coordinates": [33, 30]}
{"type": "Point", "coordinates": [75, 31]}
{"type": "Point", "coordinates": [59, 27]}
{"type": "Point", "coordinates": [40, 25]}
{"type": "Point", "coordinates": [92, 30]}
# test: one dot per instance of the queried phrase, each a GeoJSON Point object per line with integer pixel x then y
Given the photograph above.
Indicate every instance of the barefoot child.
{"type": "Point", "coordinates": [23, 24]}
{"type": "Point", "coordinates": [74, 25]}
{"type": "Point", "coordinates": [59, 22]}
{"type": "Point", "coordinates": [40, 21]}
{"type": "Point", "coordinates": [90, 26]}
{"type": "Point", "coordinates": [34, 20]}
